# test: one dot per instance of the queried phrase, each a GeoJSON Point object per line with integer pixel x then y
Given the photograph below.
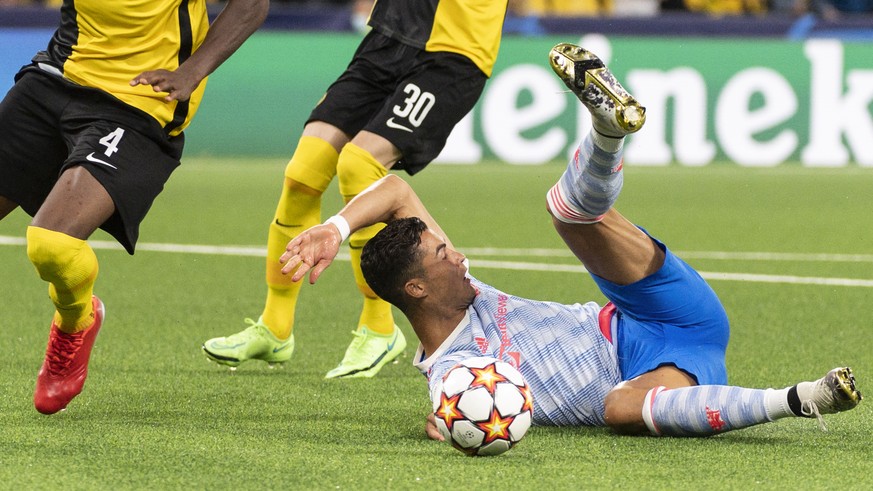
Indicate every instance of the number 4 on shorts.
{"type": "Point", "coordinates": [111, 141]}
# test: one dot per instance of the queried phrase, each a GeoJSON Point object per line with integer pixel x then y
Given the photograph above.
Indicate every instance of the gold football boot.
{"type": "Point", "coordinates": [614, 112]}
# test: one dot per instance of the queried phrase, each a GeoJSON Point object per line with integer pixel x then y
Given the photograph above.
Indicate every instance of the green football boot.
{"type": "Point", "coordinates": [368, 353]}
{"type": "Point", "coordinates": [256, 342]}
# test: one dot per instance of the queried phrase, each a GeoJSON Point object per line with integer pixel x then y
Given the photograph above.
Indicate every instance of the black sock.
{"type": "Point", "coordinates": [794, 401]}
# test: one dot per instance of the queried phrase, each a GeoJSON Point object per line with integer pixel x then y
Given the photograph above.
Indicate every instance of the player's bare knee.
{"type": "Point", "coordinates": [623, 411]}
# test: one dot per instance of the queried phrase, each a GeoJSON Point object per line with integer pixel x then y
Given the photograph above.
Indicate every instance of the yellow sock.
{"type": "Point", "coordinates": [313, 164]}
{"type": "Point", "coordinates": [358, 169]}
{"type": "Point", "coordinates": [306, 177]}
{"type": "Point", "coordinates": [70, 267]}
{"type": "Point", "coordinates": [376, 314]}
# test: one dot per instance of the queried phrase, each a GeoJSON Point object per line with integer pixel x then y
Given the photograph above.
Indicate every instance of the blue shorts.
{"type": "Point", "coordinates": [670, 318]}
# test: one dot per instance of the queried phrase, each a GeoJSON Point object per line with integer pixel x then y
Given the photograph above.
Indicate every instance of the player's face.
{"type": "Point", "coordinates": [445, 271]}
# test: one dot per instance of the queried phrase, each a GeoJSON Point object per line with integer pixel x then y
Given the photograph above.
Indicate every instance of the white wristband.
{"type": "Point", "coordinates": [342, 225]}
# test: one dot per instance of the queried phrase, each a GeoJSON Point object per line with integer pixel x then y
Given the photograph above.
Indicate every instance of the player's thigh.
{"type": "Point", "coordinates": [426, 105]}
{"type": "Point", "coordinates": [132, 163]}
{"type": "Point", "coordinates": [385, 152]}
{"type": "Point", "coordinates": [671, 317]}
{"type": "Point", "coordinates": [334, 136]}
{"type": "Point", "coordinates": [674, 295]}
{"type": "Point", "coordinates": [76, 206]}
{"type": "Point", "coordinates": [613, 249]}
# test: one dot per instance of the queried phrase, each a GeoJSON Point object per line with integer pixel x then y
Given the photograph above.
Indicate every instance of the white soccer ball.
{"type": "Point", "coordinates": [485, 406]}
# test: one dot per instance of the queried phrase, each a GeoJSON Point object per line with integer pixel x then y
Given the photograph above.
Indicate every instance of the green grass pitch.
{"type": "Point", "coordinates": [789, 250]}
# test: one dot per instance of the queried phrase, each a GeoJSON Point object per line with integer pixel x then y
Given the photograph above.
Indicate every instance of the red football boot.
{"type": "Point", "coordinates": [63, 372]}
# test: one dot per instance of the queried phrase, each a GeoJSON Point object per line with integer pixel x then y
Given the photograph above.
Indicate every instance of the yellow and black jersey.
{"type": "Point", "coordinates": [471, 28]}
{"type": "Point", "coordinates": [106, 44]}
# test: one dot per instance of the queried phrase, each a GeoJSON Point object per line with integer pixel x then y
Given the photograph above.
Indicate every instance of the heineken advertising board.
{"type": "Point", "coordinates": [754, 102]}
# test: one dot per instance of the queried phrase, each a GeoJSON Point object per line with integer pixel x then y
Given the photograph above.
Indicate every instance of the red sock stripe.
{"type": "Point", "coordinates": [648, 405]}
{"type": "Point", "coordinates": [559, 206]}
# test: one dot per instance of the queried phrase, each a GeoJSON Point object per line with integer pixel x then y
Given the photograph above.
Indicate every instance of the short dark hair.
{"type": "Point", "coordinates": [392, 258]}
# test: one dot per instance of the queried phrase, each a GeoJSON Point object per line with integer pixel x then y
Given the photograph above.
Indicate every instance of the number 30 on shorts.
{"type": "Point", "coordinates": [416, 106]}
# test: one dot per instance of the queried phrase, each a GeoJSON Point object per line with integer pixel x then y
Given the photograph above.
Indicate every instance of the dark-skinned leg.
{"type": "Point", "coordinates": [56, 245]}
{"type": "Point", "coordinates": [77, 205]}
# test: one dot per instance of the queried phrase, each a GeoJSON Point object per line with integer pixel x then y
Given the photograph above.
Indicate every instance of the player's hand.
{"type": "Point", "coordinates": [312, 251]}
{"type": "Point", "coordinates": [431, 428]}
{"type": "Point", "coordinates": [178, 84]}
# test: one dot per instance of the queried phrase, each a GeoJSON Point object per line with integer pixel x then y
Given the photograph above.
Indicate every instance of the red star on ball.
{"type": "Point", "coordinates": [528, 398]}
{"type": "Point", "coordinates": [448, 410]}
{"type": "Point", "coordinates": [486, 377]}
{"type": "Point", "coordinates": [496, 428]}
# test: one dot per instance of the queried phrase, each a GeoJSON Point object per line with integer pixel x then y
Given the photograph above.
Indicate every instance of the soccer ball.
{"type": "Point", "coordinates": [485, 406]}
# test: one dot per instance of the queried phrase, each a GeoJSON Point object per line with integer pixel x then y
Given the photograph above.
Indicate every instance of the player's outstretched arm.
{"type": "Point", "coordinates": [236, 22]}
{"type": "Point", "coordinates": [387, 199]}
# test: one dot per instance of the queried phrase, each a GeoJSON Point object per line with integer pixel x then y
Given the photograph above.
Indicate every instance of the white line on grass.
{"type": "Point", "coordinates": [529, 266]}
{"type": "Point", "coordinates": [720, 255]}
{"type": "Point", "coordinates": [754, 278]}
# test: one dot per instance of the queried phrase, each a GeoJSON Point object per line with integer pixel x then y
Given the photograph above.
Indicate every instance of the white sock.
{"type": "Point", "coordinates": [591, 183]}
{"type": "Point", "coordinates": [776, 403]}
{"type": "Point", "coordinates": [703, 410]}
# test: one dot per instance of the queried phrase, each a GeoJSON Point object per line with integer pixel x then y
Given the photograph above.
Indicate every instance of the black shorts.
{"type": "Point", "coordinates": [411, 97]}
{"type": "Point", "coordinates": [48, 124]}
